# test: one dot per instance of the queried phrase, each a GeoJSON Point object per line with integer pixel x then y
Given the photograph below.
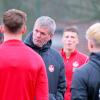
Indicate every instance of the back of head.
{"type": "Point", "coordinates": [14, 19]}
{"type": "Point", "coordinates": [48, 22]}
{"type": "Point", "coordinates": [93, 33]}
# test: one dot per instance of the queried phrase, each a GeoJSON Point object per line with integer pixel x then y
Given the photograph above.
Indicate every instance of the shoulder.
{"type": "Point", "coordinates": [56, 53]}
{"type": "Point", "coordinates": [82, 56]}
{"type": "Point", "coordinates": [57, 57]}
{"type": "Point", "coordinates": [84, 71]}
{"type": "Point", "coordinates": [33, 54]}
{"type": "Point", "coordinates": [82, 76]}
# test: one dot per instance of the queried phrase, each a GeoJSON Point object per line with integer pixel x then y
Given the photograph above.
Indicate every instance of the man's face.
{"type": "Point", "coordinates": [41, 35]}
{"type": "Point", "coordinates": [70, 40]}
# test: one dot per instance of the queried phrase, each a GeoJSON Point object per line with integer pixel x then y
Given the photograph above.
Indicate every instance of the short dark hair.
{"type": "Point", "coordinates": [14, 19]}
{"type": "Point", "coordinates": [71, 29]}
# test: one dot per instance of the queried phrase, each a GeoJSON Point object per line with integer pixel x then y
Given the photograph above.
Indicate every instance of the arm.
{"type": "Point", "coordinates": [42, 85]}
{"type": "Point", "coordinates": [61, 88]}
{"type": "Point", "coordinates": [79, 86]}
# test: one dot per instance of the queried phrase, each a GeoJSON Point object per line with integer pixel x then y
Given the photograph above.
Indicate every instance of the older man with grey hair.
{"type": "Point", "coordinates": [40, 40]}
{"type": "Point", "coordinates": [86, 80]}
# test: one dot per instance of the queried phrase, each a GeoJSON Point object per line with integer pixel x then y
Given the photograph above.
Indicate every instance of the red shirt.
{"type": "Point", "coordinates": [75, 60]}
{"type": "Point", "coordinates": [22, 73]}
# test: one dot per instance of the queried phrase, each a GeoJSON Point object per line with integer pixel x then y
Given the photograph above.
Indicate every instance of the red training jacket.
{"type": "Point", "coordinates": [75, 60]}
{"type": "Point", "coordinates": [22, 73]}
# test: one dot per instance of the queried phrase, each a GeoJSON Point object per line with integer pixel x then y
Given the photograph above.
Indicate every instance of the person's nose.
{"type": "Point", "coordinates": [38, 34]}
{"type": "Point", "coordinates": [69, 39]}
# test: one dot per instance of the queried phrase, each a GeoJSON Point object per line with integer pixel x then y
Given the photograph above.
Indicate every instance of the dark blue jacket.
{"type": "Point", "coordinates": [54, 66]}
{"type": "Point", "coordinates": [86, 80]}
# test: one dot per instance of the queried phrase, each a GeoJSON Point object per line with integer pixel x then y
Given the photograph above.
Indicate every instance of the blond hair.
{"type": "Point", "coordinates": [93, 33]}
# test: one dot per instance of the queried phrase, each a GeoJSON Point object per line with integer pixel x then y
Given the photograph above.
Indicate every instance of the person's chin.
{"type": "Point", "coordinates": [37, 44]}
{"type": "Point", "coordinates": [70, 48]}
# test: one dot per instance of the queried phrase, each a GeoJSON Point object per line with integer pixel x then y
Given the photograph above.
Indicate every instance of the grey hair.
{"type": "Point", "coordinates": [46, 21]}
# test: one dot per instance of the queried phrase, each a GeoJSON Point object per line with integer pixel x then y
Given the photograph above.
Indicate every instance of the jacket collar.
{"type": "Point", "coordinates": [72, 54]}
{"type": "Point", "coordinates": [95, 59]}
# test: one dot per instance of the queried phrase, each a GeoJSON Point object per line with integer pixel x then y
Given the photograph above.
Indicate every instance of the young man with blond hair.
{"type": "Point", "coordinates": [86, 80]}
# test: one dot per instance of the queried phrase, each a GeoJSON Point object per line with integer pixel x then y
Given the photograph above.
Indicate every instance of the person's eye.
{"type": "Point", "coordinates": [36, 30]}
{"type": "Point", "coordinates": [42, 33]}
{"type": "Point", "coordinates": [72, 37]}
{"type": "Point", "coordinates": [67, 37]}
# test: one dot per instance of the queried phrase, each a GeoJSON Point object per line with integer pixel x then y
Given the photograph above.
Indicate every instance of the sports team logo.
{"type": "Point", "coordinates": [51, 68]}
{"type": "Point", "coordinates": [75, 65]}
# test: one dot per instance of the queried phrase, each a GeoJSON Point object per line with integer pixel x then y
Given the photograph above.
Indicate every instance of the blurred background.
{"type": "Point", "coordinates": [80, 13]}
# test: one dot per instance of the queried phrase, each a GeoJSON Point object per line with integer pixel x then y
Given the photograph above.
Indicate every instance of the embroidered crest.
{"type": "Point", "coordinates": [75, 65]}
{"type": "Point", "coordinates": [51, 68]}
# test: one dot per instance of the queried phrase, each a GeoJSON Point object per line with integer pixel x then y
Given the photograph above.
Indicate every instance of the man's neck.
{"type": "Point", "coordinates": [68, 52]}
{"type": "Point", "coordinates": [96, 50]}
{"type": "Point", "coordinates": [11, 37]}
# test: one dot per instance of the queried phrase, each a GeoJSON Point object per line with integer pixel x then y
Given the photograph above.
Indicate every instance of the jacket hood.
{"type": "Point", "coordinates": [95, 58]}
{"type": "Point", "coordinates": [29, 41]}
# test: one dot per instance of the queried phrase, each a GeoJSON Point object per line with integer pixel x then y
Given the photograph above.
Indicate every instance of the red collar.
{"type": "Point", "coordinates": [72, 54]}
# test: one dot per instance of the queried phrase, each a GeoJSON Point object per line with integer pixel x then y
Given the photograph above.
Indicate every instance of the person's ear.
{"type": "Point", "coordinates": [77, 40]}
{"type": "Point", "coordinates": [24, 29]}
{"type": "Point", "coordinates": [51, 36]}
{"type": "Point", "coordinates": [90, 45]}
{"type": "Point", "coordinates": [1, 29]}
{"type": "Point", "coordinates": [62, 39]}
